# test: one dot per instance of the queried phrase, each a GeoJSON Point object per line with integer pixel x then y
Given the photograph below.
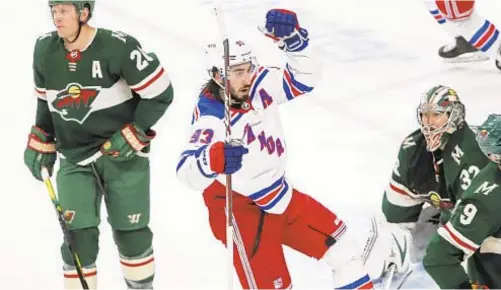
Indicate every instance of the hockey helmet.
{"type": "Point", "coordinates": [441, 100]}
{"type": "Point", "coordinates": [79, 5]}
{"type": "Point", "coordinates": [240, 53]}
{"type": "Point", "coordinates": [489, 137]}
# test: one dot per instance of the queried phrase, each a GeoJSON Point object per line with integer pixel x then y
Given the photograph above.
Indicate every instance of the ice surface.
{"type": "Point", "coordinates": [378, 57]}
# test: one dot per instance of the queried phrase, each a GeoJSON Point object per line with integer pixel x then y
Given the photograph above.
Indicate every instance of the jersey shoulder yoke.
{"type": "Point", "coordinates": [207, 105]}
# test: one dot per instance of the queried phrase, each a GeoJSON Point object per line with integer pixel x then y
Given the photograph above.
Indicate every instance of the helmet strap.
{"type": "Point", "coordinates": [80, 23]}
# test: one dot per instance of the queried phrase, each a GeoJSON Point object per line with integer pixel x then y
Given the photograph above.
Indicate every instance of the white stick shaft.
{"type": "Point", "coordinates": [218, 10]}
{"type": "Point", "coordinates": [229, 242]}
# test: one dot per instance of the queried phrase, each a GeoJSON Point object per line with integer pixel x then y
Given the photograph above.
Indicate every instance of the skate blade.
{"type": "Point", "coordinates": [467, 57]}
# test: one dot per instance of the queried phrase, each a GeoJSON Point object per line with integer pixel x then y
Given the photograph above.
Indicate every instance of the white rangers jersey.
{"type": "Point", "coordinates": [258, 127]}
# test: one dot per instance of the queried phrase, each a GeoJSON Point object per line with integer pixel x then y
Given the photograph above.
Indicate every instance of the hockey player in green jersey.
{"type": "Point", "coordinates": [435, 165]}
{"type": "Point", "coordinates": [474, 230]}
{"type": "Point", "coordinates": [99, 94]}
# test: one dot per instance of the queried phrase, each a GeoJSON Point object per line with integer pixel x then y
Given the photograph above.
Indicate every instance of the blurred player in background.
{"type": "Point", "coordinates": [475, 38]}
{"type": "Point", "coordinates": [99, 94]}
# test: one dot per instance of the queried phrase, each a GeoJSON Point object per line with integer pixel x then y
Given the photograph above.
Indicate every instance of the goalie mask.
{"type": "Point", "coordinates": [440, 114]}
{"type": "Point", "coordinates": [489, 138]}
{"type": "Point", "coordinates": [240, 53]}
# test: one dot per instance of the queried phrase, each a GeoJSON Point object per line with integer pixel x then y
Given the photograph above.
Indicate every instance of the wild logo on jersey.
{"type": "Point", "coordinates": [434, 199]}
{"type": "Point", "coordinates": [75, 102]}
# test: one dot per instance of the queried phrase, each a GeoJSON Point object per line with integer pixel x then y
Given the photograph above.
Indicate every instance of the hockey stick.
{"type": "Point", "coordinates": [66, 233]}
{"type": "Point", "coordinates": [227, 119]}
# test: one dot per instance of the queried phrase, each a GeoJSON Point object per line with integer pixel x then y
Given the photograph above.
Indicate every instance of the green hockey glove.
{"type": "Point", "coordinates": [124, 144]}
{"type": "Point", "coordinates": [40, 152]}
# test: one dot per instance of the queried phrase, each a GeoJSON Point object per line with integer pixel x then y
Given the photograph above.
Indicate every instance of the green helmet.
{"type": "Point", "coordinates": [79, 5]}
{"type": "Point", "coordinates": [440, 100]}
{"type": "Point", "coordinates": [489, 137]}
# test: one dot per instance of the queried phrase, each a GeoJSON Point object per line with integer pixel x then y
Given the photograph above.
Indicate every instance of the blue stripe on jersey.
{"type": "Point", "coordinates": [257, 82]}
{"type": "Point", "coordinates": [235, 119]}
{"type": "Point", "coordinates": [278, 198]}
{"type": "Point", "coordinates": [287, 90]}
{"type": "Point", "coordinates": [362, 281]}
{"type": "Point", "coordinates": [208, 175]}
{"type": "Point", "coordinates": [195, 153]}
{"type": "Point", "coordinates": [263, 192]}
{"type": "Point", "coordinates": [185, 156]}
{"type": "Point", "coordinates": [300, 86]}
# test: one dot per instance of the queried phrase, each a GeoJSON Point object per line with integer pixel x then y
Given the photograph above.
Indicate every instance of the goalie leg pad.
{"type": "Point", "coordinates": [345, 259]}
{"type": "Point", "coordinates": [136, 257]}
{"type": "Point", "coordinates": [389, 244]}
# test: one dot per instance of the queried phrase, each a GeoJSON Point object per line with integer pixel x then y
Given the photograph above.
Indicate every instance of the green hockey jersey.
{"type": "Point", "coordinates": [473, 229]}
{"type": "Point", "coordinates": [86, 96]}
{"type": "Point", "coordinates": [438, 178]}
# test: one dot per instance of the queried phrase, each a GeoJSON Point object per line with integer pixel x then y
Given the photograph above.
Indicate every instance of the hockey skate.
{"type": "Point", "coordinates": [461, 51]}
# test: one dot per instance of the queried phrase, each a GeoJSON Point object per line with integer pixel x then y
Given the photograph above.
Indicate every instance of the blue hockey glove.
{"type": "Point", "coordinates": [226, 158]}
{"type": "Point", "coordinates": [282, 26]}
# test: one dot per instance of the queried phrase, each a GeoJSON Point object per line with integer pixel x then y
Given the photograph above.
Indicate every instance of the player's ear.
{"type": "Point", "coordinates": [84, 16]}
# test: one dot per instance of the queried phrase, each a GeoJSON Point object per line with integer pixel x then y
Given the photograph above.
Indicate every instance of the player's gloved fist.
{"type": "Point", "coordinates": [282, 26]}
{"type": "Point", "coordinates": [226, 158]}
{"type": "Point", "coordinates": [40, 152]}
{"type": "Point", "coordinates": [125, 143]}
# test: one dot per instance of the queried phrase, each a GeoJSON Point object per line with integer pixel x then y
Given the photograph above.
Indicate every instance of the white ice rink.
{"type": "Point", "coordinates": [378, 57]}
